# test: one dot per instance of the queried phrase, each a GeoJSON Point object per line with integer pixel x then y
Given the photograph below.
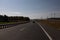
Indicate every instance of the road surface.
{"type": "Point", "coordinates": [53, 32]}
{"type": "Point", "coordinates": [28, 31]}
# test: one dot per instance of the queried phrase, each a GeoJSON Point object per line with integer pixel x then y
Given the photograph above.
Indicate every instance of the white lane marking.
{"type": "Point", "coordinates": [45, 32]}
{"type": "Point", "coordinates": [22, 29]}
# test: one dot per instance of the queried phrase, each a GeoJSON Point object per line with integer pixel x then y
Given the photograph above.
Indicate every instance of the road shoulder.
{"type": "Point", "coordinates": [55, 34]}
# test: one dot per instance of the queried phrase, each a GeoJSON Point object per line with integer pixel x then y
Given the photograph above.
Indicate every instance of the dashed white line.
{"type": "Point", "coordinates": [22, 29]}
{"type": "Point", "coordinates": [45, 32]}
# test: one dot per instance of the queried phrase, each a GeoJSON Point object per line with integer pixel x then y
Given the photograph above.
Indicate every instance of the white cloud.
{"type": "Point", "coordinates": [11, 13]}
{"type": "Point", "coordinates": [31, 15]}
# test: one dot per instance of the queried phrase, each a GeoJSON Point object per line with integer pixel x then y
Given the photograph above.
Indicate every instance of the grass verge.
{"type": "Point", "coordinates": [51, 23]}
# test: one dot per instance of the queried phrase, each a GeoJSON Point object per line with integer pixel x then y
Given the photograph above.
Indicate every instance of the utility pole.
{"type": "Point", "coordinates": [47, 17]}
{"type": "Point", "coordinates": [54, 15]}
{"type": "Point", "coordinates": [41, 18]}
{"type": "Point", "coordinates": [54, 18]}
{"type": "Point", "coordinates": [51, 15]}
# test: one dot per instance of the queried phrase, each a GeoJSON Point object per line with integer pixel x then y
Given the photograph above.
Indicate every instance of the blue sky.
{"type": "Point", "coordinates": [30, 8]}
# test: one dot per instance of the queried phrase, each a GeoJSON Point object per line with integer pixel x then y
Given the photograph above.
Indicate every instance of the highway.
{"type": "Point", "coordinates": [28, 31]}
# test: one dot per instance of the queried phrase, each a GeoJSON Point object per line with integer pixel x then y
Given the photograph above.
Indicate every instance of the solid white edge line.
{"type": "Point", "coordinates": [45, 31]}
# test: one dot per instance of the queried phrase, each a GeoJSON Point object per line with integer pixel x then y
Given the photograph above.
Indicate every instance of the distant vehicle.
{"type": "Point", "coordinates": [33, 21]}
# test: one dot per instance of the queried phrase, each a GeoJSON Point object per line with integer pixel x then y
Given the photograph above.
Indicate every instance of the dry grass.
{"type": "Point", "coordinates": [55, 24]}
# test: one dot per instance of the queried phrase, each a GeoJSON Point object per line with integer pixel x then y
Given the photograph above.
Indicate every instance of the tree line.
{"type": "Point", "coordinates": [5, 18]}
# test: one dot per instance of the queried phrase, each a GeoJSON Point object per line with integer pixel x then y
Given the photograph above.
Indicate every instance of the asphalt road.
{"type": "Point", "coordinates": [28, 31]}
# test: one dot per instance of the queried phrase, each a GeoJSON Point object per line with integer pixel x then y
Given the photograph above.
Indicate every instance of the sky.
{"type": "Point", "coordinates": [34, 9]}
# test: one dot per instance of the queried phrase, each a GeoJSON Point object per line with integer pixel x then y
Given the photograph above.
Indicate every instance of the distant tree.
{"type": "Point", "coordinates": [21, 18]}
{"type": "Point", "coordinates": [1, 18]}
{"type": "Point", "coordinates": [5, 18]}
{"type": "Point", "coordinates": [26, 19]}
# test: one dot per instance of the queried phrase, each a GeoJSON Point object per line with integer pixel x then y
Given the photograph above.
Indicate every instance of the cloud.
{"type": "Point", "coordinates": [31, 14]}
{"type": "Point", "coordinates": [11, 13]}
